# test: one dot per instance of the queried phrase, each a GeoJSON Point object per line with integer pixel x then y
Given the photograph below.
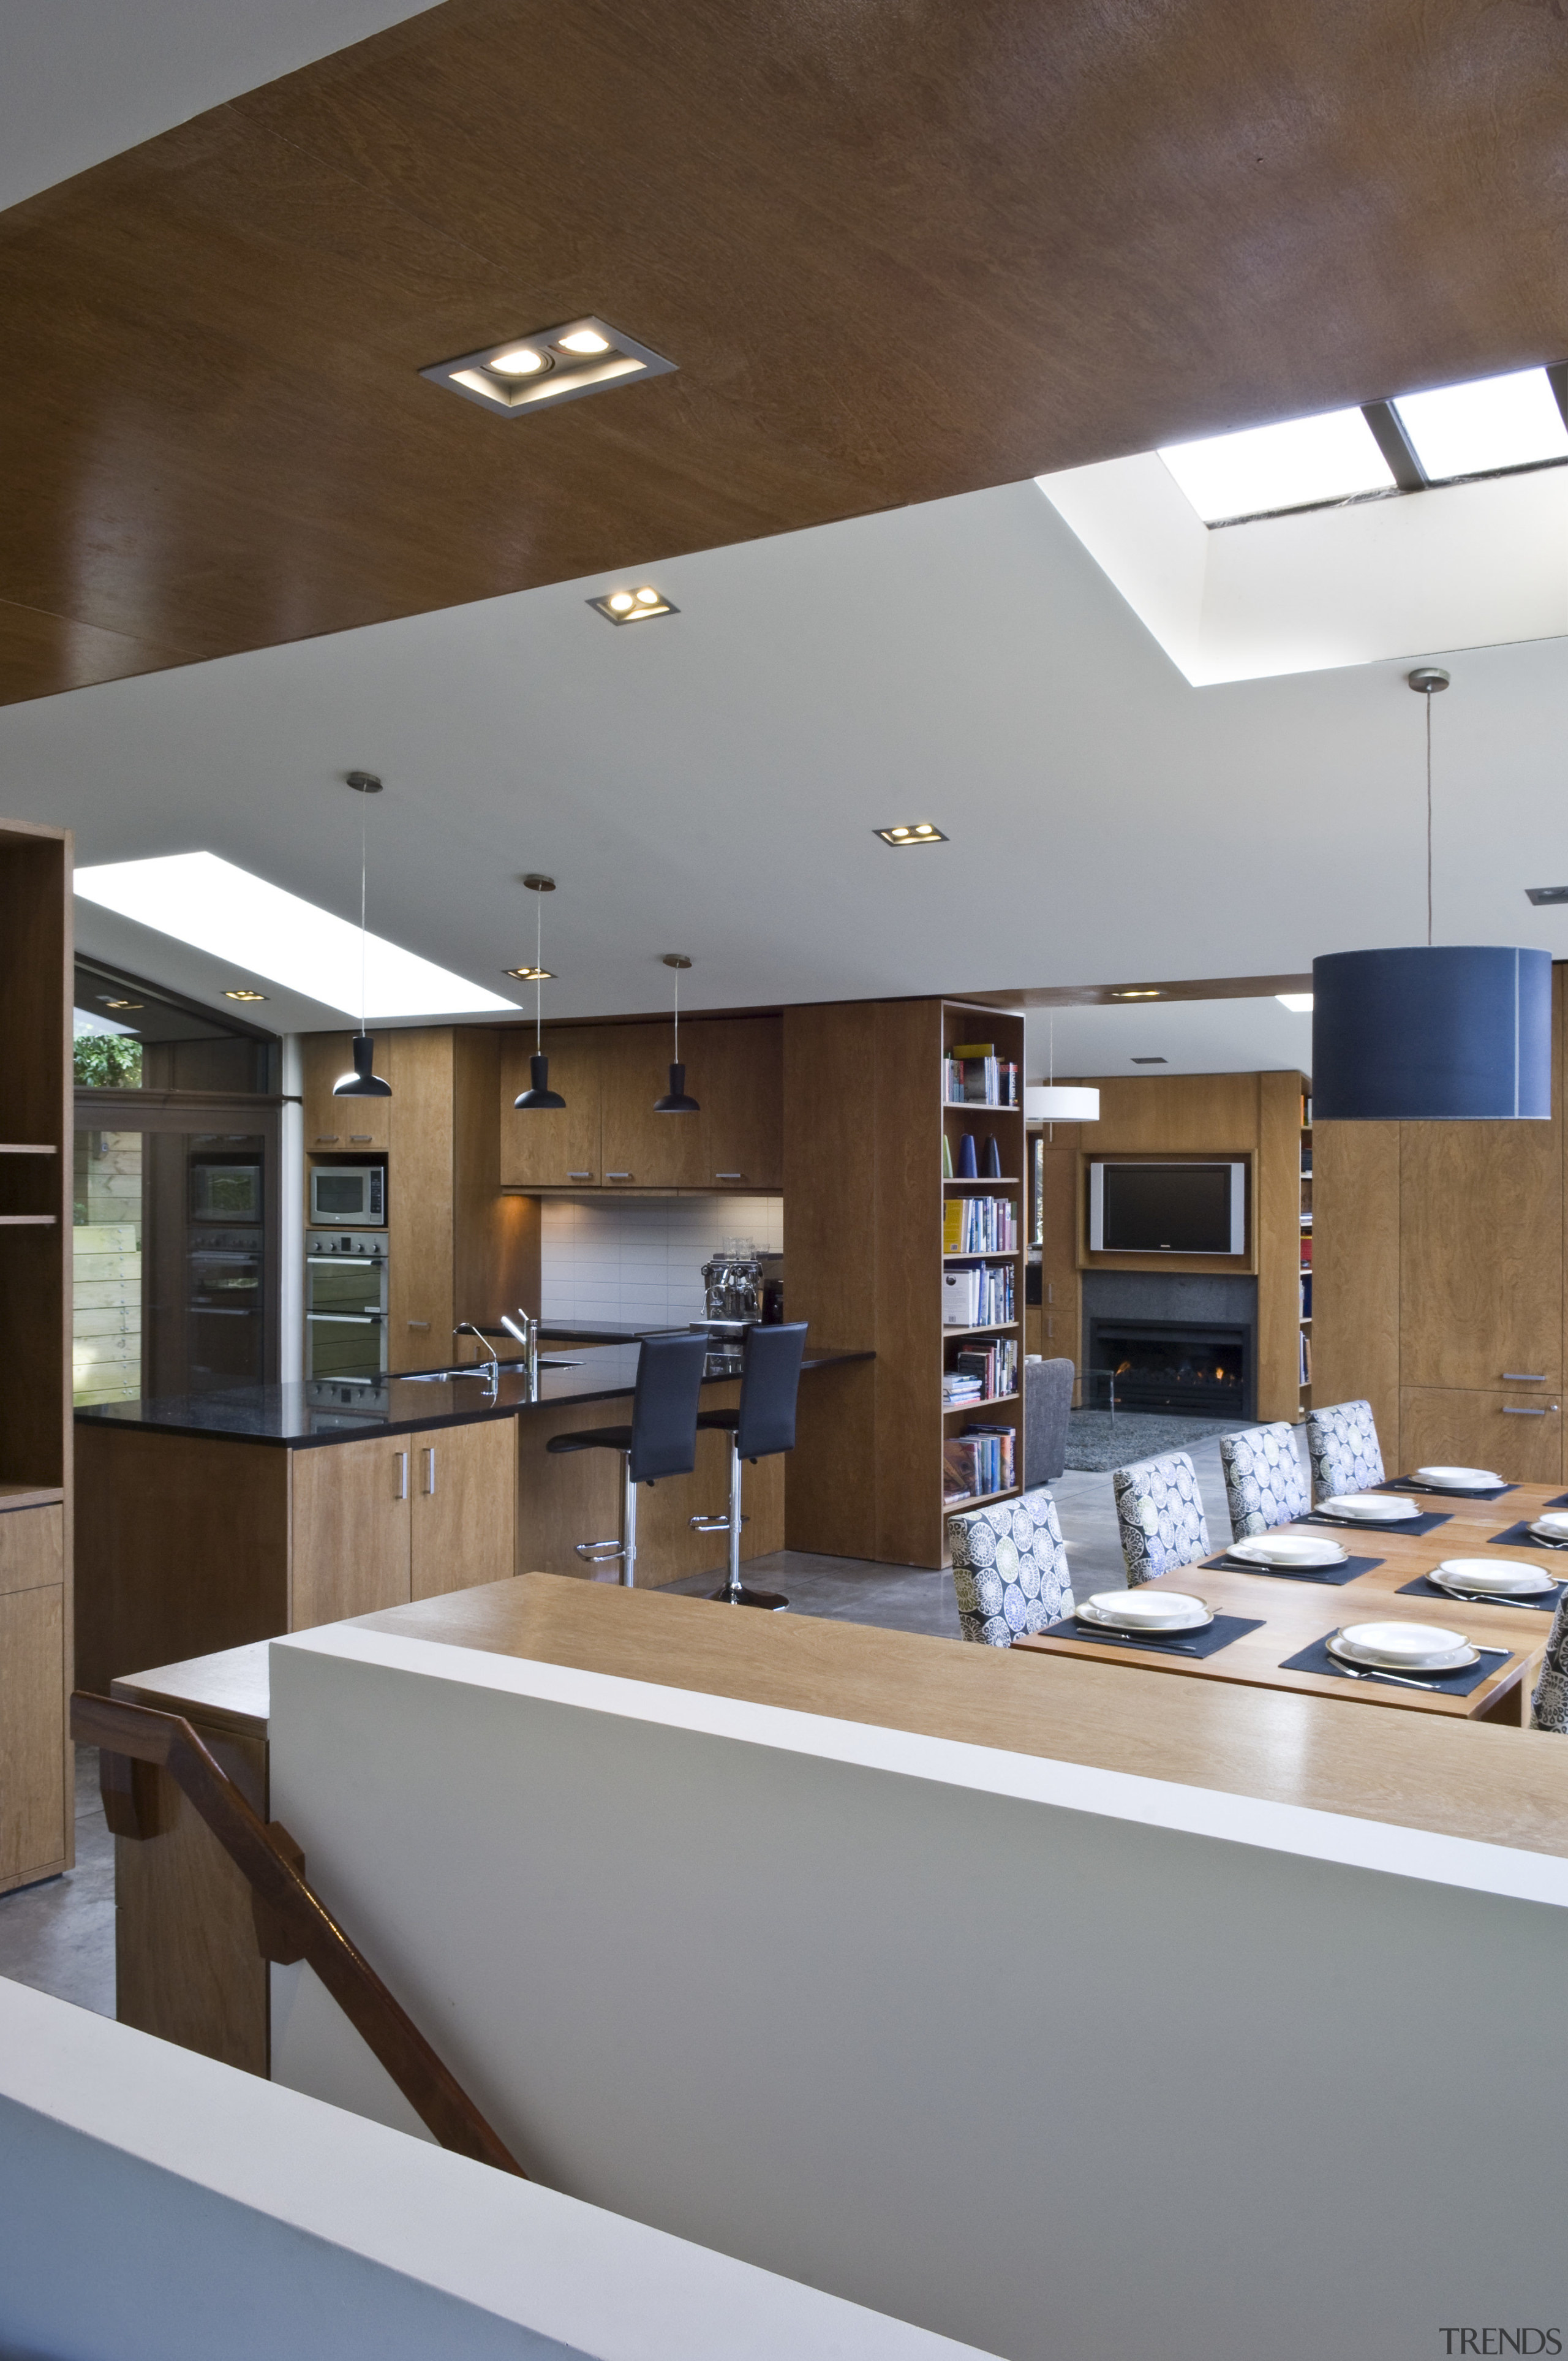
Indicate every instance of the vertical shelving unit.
{"type": "Point", "coordinates": [1306, 1350]}
{"type": "Point", "coordinates": [999, 1127]}
{"type": "Point", "coordinates": [35, 1799]}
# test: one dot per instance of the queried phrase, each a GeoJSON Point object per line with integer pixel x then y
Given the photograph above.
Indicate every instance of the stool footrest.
{"type": "Point", "coordinates": [600, 1552]}
{"type": "Point", "coordinates": [713, 1524]}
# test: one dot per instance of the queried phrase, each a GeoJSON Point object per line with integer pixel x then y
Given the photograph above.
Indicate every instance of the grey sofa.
{"type": "Point", "coordinates": [1047, 1397]}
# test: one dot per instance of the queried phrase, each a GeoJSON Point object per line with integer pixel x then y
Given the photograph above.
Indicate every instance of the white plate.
{"type": "Point", "coordinates": [1462, 1479]}
{"type": "Point", "coordinates": [1553, 1523]}
{"type": "Point", "coordinates": [1136, 1610]}
{"type": "Point", "coordinates": [1507, 1577]}
{"type": "Point", "coordinates": [1371, 1508]}
{"type": "Point", "coordinates": [1403, 1647]}
{"type": "Point", "coordinates": [1291, 1550]}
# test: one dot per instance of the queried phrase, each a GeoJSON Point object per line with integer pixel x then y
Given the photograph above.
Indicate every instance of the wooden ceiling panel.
{"type": "Point", "coordinates": [896, 252]}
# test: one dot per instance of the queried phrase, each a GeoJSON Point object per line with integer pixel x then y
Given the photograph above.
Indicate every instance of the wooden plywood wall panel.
{"type": "Point", "coordinates": [420, 1211]}
{"type": "Point", "coordinates": [1355, 1268]}
{"type": "Point", "coordinates": [1276, 1210]}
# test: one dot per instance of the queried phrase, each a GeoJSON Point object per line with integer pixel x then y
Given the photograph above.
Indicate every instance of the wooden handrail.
{"type": "Point", "coordinates": [293, 1923]}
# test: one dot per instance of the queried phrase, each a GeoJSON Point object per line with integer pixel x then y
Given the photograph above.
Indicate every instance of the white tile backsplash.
{"type": "Point", "coordinates": [640, 1259]}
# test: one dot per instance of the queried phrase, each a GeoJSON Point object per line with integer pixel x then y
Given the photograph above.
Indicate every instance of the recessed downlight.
{"type": "Point", "coordinates": [531, 974]}
{"type": "Point", "coordinates": [243, 992]}
{"type": "Point", "coordinates": [1543, 894]}
{"type": "Point", "coordinates": [632, 606]}
{"type": "Point", "coordinates": [1142, 992]}
{"type": "Point", "coordinates": [922, 831]}
{"type": "Point", "coordinates": [1149, 1061]}
{"type": "Point", "coordinates": [548, 366]}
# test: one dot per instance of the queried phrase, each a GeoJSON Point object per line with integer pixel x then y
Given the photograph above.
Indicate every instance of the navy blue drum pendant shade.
{"type": "Point", "coordinates": [1447, 1033]}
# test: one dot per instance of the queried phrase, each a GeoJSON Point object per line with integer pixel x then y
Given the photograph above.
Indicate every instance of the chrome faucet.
{"type": "Point", "coordinates": [528, 1337]}
{"type": "Point", "coordinates": [492, 1363]}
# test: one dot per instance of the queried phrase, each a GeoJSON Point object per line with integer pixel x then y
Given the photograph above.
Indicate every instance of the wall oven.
{"type": "Point", "coordinates": [346, 1303]}
{"type": "Point", "coordinates": [352, 1195]}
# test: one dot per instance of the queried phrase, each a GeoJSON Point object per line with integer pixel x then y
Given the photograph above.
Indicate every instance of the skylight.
{"type": "Point", "coordinates": [200, 898]}
{"type": "Point", "coordinates": [1477, 430]}
{"type": "Point", "coordinates": [1298, 464]}
{"type": "Point", "coordinates": [1300, 1004]}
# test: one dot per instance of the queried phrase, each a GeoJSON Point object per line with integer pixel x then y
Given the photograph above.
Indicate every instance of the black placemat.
{"type": "Point", "coordinates": [1445, 1491]}
{"type": "Point", "coordinates": [1317, 1659]}
{"type": "Point", "coordinates": [1207, 1642]}
{"type": "Point", "coordinates": [1520, 1537]}
{"type": "Point", "coordinates": [1423, 1587]}
{"type": "Point", "coordinates": [1561, 1501]}
{"type": "Point", "coordinates": [1407, 1525]}
{"type": "Point", "coordinates": [1330, 1574]}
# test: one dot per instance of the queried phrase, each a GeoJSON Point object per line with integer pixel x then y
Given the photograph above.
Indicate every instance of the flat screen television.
{"type": "Point", "coordinates": [1174, 1209]}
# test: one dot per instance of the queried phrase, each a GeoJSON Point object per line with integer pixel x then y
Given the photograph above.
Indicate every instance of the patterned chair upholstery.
{"type": "Point", "coordinates": [1160, 1511]}
{"type": "Point", "coordinates": [1549, 1706]}
{"type": "Point", "coordinates": [1263, 1483]}
{"type": "Point", "coordinates": [1009, 1569]}
{"type": "Point", "coordinates": [1342, 1444]}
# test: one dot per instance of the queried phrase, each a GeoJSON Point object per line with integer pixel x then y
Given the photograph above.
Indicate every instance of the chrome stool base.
{"type": "Point", "coordinates": [773, 1601]}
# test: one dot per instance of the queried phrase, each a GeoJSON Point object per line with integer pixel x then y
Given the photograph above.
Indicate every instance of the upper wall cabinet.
{"type": "Point", "coordinates": [336, 1127]}
{"type": "Point", "coordinates": [552, 1148]}
{"type": "Point", "coordinates": [608, 1136]}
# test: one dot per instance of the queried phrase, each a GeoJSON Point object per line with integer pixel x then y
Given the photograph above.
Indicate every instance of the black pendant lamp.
{"type": "Point", "coordinates": [539, 1094]}
{"type": "Point", "coordinates": [362, 1084]}
{"type": "Point", "coordinates": [675, 1100]}
{"type": "Point", "coordinates": [1435, 1033]}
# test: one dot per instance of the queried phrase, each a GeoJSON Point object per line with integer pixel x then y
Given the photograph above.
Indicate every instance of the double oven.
{"type": "Point", "coordinates": [346, 1303]}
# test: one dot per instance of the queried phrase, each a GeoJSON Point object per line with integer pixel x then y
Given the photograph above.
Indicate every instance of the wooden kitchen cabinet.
{"type": "Point", "coordinates": [1518, 1434]}
{"type": "Point", "coordinates": [337, 1126]}
{"type": "Point", "coordinates": [641, 1149]}
{"type": "Point", "coordinates": [1061, 1282]}
{"type": "Point", "coordinates": [421, 1209]}
{"type": "Point", "coordinates": [33, 1805]}
{"type": "Point", "coordinates": [552, 1148]}
{"type": "Point", "coordinates": [1481, 1255]}
{"type": "Point", "coordinates": [735, 1068]}
{"type": "Point", "coordinates": [463, 1529]}
{"type": "Point", "coordinates": [351, 1508]}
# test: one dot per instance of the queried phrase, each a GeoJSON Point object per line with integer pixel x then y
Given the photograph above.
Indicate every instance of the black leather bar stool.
{"type": "Point", "coordinates": [660, 1441]}
{"type": "Point", "coordinates": [763, 1424]}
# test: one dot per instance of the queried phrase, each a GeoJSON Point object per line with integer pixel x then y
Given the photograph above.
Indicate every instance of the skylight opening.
{"type": "Point", "coordinates": [1484, 428]}
{"type": "Point", "coordinates": [201, 899]}
{"type": "Point", "coordinates": [1300, 463]}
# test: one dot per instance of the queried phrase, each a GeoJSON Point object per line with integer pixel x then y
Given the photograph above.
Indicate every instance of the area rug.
{"type": "Point", "coordinates": [1096, 1442]}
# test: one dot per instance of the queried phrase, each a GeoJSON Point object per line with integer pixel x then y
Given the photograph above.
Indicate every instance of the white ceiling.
{"type": "Point", "coordinates": [1193, 1037]}
{"type": "Point", "coordinates": [82, 80]}
{"type": "Point", "coordinates": [709, 783]}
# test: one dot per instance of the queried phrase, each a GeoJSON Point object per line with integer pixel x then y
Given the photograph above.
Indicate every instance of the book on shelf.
{"type": "Point", "coordinates": [1306, 1359]}
{"type": "Point", "coordinates": [977, 1295]}
{"type": "Point", "coordinates": [1306, 1295]}
{"type": "Point", "coordinates": [980, 1225]}
{"type": "Point", "coordinates": [979, 1460]}
{"type": "Point", "coordinates": [973, 1075]}
{"type": "Point", "coordinates": [1306, 1252]}
{"type": "Point", "coordinates": [993, 1367]}
{"type": "Point", "coordinates": [958, 1388]}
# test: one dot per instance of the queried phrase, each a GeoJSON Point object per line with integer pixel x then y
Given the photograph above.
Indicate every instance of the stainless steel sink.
{"type": "Point", "coordinates": [476, 1369]}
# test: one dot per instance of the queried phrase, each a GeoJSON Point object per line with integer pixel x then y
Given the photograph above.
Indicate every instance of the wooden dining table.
{"type": "Point", "coordinates": [1295, 1610]}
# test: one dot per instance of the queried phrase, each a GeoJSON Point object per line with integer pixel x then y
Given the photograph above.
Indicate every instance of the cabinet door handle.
{"type": "Point", "coordinates": [402, 1491]}
{"type": "Point", "coordinates": [1516, 1409]}
{"type": "Point", "coordinates": [327, 1139]}
{"type": "Point", "coordinates": [587, 1176]}
{"type": "Point", "coordinates": [429, 1470]}
{"type": "Point", "coordinates": [419, 1323]}
{"type": "Point", "coordinates": [729, 1176]}
{"type": "Point", "coordinates": [360, 1139]}
{"type": "Point", "coordinates": [1524, 1377]}
{"type": "Point", "coordinates": [618, 1176]}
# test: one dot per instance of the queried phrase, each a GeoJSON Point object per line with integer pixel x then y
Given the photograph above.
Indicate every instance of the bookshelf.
{"type": "Point", "coordinates": [1305, 1360]}
{"type": "Point", "coordinates": [36, 1798]}
{"type": "Point", "coordinates": [866, 1117]}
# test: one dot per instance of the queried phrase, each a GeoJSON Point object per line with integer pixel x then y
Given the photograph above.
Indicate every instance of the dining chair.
{"type": "Point", "coordinates": [1009, 1568]}
{"type": "Point", "coordinates": [1549, 1705]}
{"type": "Point", "coordinates": [1263, 1483]}
{"type": "Point", "coordinates": [1160, 1511]}
{"type": "Point", "coordinates": [1342, 1444]}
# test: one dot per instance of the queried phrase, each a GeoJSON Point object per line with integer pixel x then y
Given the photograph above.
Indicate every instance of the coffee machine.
{"type": "Point", "coordinates": [743, 1285]}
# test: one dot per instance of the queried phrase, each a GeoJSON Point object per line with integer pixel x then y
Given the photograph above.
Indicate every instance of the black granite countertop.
{"type": "Point", "coordinates": [330, 1410]}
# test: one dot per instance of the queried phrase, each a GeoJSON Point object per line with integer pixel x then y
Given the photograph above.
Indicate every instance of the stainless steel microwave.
{"type": "Point", "coordinates": [348, 1195]}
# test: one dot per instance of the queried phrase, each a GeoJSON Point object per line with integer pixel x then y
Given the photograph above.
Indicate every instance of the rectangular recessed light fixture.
{"type": "Point", "coordinates": [1149, 1061]}
{"type": "Point", "coordinates": [920, 832]}
{"type": "Point", "coordinates": [1540, 893]}
{"type": "Point", "coordinates": [1486, 427]}
{"type": "Point", "coordinates": [632, 606]}
{"type": "Point", "coordinates": [531, 974]}
{"type": "Point", "coordinates": [548, 367]}
{"type": "Point", "coordinates": [200, 898]}
{"type": "Point", "coordinates": [1300, 1004]}
{"type": "Point", "coordinates": [1138, 991]}
{"type": "Point", "coordinates": [238, 993]}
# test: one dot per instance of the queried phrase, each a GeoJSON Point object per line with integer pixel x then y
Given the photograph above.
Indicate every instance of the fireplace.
{"type": "Point", "coordinates": [1183, 1367]}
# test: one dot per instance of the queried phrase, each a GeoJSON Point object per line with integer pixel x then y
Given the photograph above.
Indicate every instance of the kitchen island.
{"type": "Point", "coordinates": [206, 1521]}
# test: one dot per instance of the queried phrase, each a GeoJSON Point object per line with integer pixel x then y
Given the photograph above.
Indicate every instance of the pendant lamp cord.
{"type": "Point", "coordinates": [1429, 818]}
{"type": "Point", "coordinates": [538, 973]}
{"type": "Point", "coordinates": [1051, 1065]}
{"type": "Point", "coordinates": [677, 976]}
{"type": "Point", "coordinates": [363, 814]}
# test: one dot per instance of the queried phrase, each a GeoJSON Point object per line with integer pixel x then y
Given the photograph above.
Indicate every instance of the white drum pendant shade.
{"type": "Point", "coordinates": [1061, 1102]}
{"type": "Point", "coordinates": [1450, 1033]}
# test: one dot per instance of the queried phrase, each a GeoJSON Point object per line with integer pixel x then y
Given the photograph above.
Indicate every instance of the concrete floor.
{"type": "Point", "coordinates": [59, 1937]}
